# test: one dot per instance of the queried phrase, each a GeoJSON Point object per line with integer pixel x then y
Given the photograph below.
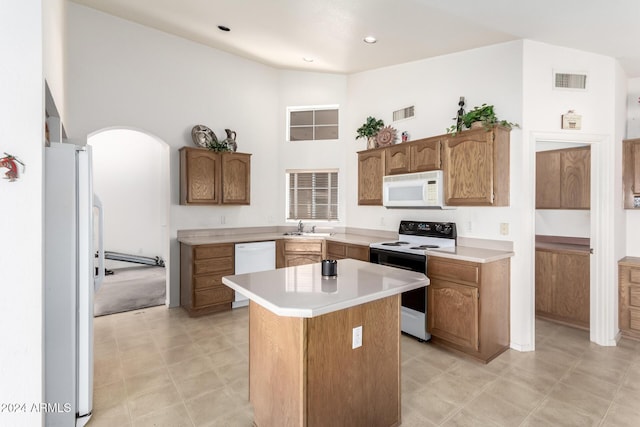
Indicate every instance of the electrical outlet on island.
{"type": "Point", "coordinates": [357, 337]}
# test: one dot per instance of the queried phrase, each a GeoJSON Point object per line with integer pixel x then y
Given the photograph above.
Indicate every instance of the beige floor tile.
{"type": "Point", "coordinates": [452, 389]}
{"type": "Point", "coordinates": [144, 363]}
{"type": "Point", "coordinates": [229, 356]}
{"type": "Point", "coordinates": [134, 340]}
{"type": "Point", "coordinates": [172, 416]}
{"type": "Point", "coordinates": [164, 342]}
{"type": "Point", "coordinates": [109, 417]}
{"type": "Point", "coordinates": [430, 405]}
{"type": "Point", "coordinates": [420, 371]}
{"type": "Point", "coordinates": [107, 371]}
{"type": "Point", "coordinates": [204, 382]}
{"type": "Point", "coordinates": [138, 350]}
{"type": "Point", "coordinates": [584, 381]}
{"type": "Point", "coordinates": [515, 392]}
{"type": "Point", "coordinates": [230, 372]}
{"type": "Point", "coordinates": [473, 372]}
{"type": "Point", "coordinates": [178, 354]}
{"type": "Point", "coordinates": [211, 344]}
{"type": "Point", "coordinates": [554, 413]}
{"type": "Point", "coordinates": [466, 419]}
{"type": "Point", "coordinates": [622, 416]}
{"type": "Point", "coordinates": [190, 367]}
{"type": "Point", "coordinates": [581, 398]}
{"type": "Point", "coordinates": [210, 407]}
{"type": "Point", "coordinates": [153, 400]}
{"type": "Point", "coordinates": [539, 380]}
{"type": "Point", "coordinates": [487, 406]}
{"type": "Point", "coordinates": [109, 395]}
{"type": "Point", "coordinates": [626, 396]}
{"type": "Point", "coordinates": [140, 384]}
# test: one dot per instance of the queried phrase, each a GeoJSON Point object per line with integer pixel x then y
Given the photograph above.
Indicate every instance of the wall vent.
{"type": "Point", "coordinates": [569, 81]}
{"type": "Point", "coordinates": [404, 113]}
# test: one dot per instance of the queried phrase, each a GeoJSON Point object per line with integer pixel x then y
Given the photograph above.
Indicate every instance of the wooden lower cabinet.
{"type": "Point", "coordinates": [297, 251]}
{"type": "Point", "coordinates": [468, 306]}
{"type": "Point", "coordinates": [201, 271]}
{"type": "Point", "coordinates": [339, 250]}
{"type": "Point", "coordinates": [629, 297]}
{"type": "Point", "coordinates": [562, 286]}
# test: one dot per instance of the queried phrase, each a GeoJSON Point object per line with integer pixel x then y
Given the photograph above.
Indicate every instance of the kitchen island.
{"type": "Point", "coordinates": [325, 351]}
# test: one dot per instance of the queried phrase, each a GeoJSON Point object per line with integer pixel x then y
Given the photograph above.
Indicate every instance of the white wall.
{"type": "Point", "coordinates": [633, 131]}
{"type": "Point", "coordinates": [130, 177]}
{"type": "Point", "coordinates": [21, 226]}
{"type": "Point", "coordinates": [305, 89]}
{"type": "Point", "coordinates": [127, 75]}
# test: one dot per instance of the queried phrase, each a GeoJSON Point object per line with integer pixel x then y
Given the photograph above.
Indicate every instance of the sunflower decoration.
{"type": "Point", "coordinates": [386, 136]}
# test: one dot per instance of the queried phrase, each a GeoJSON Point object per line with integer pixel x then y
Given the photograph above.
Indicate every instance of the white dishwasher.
{"type": "Point", "coordinates": [252, 257]}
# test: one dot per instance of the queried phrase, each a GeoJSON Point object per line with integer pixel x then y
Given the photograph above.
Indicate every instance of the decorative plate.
{"type": "Point", "coordinates": [386, 136]}
{"type": "Point", "coordinates": [203, 136]}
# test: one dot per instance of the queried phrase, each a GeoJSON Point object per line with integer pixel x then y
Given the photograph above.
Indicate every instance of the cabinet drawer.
{"type": "Point", "coordinates": [634, 296]}
{"type": "Point", "coordinates": [634, 275]}
{"type": "Point", "coordinates": [336, 250]}
{"type": "Point", "coordinates": [213, 251]}
{"type": "Point", "coordinates": [358, 252]}
{"type": "Point", "coordinates": [634, 319]}
{"type": "Point", "coordinates": [217, 295]}
{"type": "Point", "coordinates": [451, 270]}
{"type": "Point", "coordinates": [303, 246]}
{"type": "Point", "coordinates": [208, 281]}
{"type": "Point", "coordinates": [214, 265]}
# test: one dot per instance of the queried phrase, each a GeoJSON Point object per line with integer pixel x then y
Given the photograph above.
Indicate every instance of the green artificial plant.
{"type": "Point", "coordinates": [484, 114]}
{"type": "Point", "coordinates": [370, 128]}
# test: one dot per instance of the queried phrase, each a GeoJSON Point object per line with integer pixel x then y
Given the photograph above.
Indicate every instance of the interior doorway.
{"type": "Point", "coordinates": [563, 232]}
{"type": "Point", "coordinates": [131, 177]}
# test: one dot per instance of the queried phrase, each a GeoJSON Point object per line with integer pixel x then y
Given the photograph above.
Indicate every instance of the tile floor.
{"type": "Point", "coordinates": [158, 367]}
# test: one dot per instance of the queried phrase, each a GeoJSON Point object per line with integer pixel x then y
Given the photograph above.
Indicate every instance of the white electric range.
{"type": "Point", "coordinates": [409, 252]}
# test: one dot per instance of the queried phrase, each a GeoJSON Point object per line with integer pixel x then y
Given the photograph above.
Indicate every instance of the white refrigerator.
{"type": "Point", "coordinates": [71, 278]}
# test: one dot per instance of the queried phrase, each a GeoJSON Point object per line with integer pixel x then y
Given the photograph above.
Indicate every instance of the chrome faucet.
{"type": "Point", "coordinates": [300, 227]}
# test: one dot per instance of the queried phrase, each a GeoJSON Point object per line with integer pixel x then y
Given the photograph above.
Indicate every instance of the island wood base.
{"type": "Point", "coordinates": [304, 372]}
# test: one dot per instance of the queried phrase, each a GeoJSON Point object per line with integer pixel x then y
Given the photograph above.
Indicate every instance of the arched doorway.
{"type": "Point", "coordinates": [131, 177]}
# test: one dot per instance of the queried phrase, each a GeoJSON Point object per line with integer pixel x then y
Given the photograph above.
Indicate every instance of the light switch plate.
{"type": "Point", "coordinates": [357, 337]}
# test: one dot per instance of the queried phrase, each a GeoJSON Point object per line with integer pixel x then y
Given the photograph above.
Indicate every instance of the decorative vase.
{"type": "Point", "coordinates": [230, 141]}
{"type": "Point", "coordinates": [371, 142]}
{"type": "Point", "coordinates": [476, 125]}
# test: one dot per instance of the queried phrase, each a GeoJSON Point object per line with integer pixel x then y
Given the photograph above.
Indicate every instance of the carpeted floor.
{"type": "Point", "coordinates": [130, 289]}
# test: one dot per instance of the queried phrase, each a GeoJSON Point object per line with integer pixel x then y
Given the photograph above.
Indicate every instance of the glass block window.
{"type": "Point", "coordinates": [312, 195]}
{"type": "Point", "coordinates": [312, 123]}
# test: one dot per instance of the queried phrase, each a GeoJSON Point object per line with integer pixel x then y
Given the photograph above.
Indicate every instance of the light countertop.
{"type": "Point", "coordinates": [356, 239]}
{"type": "Point", "coordinates": [469, 253]}
{"type": "Point", "coordinates": [301, 291]}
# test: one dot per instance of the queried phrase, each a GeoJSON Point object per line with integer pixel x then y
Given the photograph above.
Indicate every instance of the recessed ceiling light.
{"type": "Point", "coordinates": [223, 28]}
{"type": "Point", "coordinates": [307, 59]}
{"type": "Point", "coordinates": [370, 39]}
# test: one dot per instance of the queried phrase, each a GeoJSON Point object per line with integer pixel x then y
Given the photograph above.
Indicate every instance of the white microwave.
{"type": "Point", "coordinates": [413, 190]}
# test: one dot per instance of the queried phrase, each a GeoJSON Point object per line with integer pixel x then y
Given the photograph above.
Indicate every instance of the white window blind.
{"type": "Point", "coordinates": [312, 123]}
{"type": "Point", "coordinates": [312, 195]}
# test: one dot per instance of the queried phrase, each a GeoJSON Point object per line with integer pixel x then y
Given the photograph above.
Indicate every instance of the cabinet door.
{"type": "Point", "coordinates": [370, 173]}
{"type": "Point", "coordinates": [336, 250]}
{"type": "Point", "coordinates": [236, 178]}
{"type": "Point", "coordinates": [631, 173]}
{"type": "Point", "coordinates": [575, 179]}
{"type": "Point", "coordinates": [547, 180]}
{"type": "Point", "coordinates": [199, 176]}
{"type": "Point", "coordinates": [397, 159]}
{"type": "Point", "coordinates": [545, 281]}
{"type": "Point", "coordinates": [452, 313]}
{"type": "Point", "coordinates": [468, 168]}
{"type": "Point", "coordinates": [571, 293]}
{"type": "Point", "coordinates": [358, 252]}
{"type": "Point", "coordinates": [425, 155]}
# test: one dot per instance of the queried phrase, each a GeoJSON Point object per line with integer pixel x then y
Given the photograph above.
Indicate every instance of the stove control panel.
{"type": "Point", "coordinates": [446, 230]}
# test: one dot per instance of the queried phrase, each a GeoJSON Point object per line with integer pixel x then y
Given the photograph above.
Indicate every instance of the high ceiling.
{"type": "Point", "coordinates": [281, 33]}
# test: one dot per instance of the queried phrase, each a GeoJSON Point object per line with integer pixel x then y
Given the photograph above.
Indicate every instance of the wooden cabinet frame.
{"type": "Point", "coordinates": [631, 173]}
{"type": "Point", "coordinates": [563, 178]}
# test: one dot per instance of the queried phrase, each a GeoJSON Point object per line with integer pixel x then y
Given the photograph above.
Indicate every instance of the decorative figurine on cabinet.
{"type": "Point", "coordinates": [10, 162]}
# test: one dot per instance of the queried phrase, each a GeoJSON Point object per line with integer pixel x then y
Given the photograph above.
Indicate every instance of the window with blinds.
{"type": "Point", "coordinates": [312, 123]}
{"type": "Point", "coordinates": [312, 195]}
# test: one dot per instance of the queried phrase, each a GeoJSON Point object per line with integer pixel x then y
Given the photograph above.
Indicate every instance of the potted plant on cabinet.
{"type": "Point", "coordinates": [484, 116]}
{"type": "Point", "coordinates": [369, 130]}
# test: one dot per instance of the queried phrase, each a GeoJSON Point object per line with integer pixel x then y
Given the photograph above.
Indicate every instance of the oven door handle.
{"type": "Point", "coordinates": [388, 264]}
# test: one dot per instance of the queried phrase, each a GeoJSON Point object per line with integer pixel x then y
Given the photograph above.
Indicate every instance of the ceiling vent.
{"type": "Point", "coordinates": [404, 113]}
{"type": "Point", "coordinates": [569, 81]}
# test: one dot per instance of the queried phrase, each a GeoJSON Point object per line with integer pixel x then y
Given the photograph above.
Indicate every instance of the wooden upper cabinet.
{"type": "Point", "coordinates": [199, 176]}
{"type": "Point", "coordinates": [416, 156]}
{"type": "Point", "coordinates": [371, 170]}
{"type": "Point", "coordinates": [547, 179]}
{"type": "Point", "coordinates": [236, 178]}
{"type": "Point", "coordinates": [476, 168]}
{"type": "Point", "coordinates": [631, 173]}
{"type": "Point", "coordinates": [563, 179]}
{"type": "Point", "coordinates": [210, 178]}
